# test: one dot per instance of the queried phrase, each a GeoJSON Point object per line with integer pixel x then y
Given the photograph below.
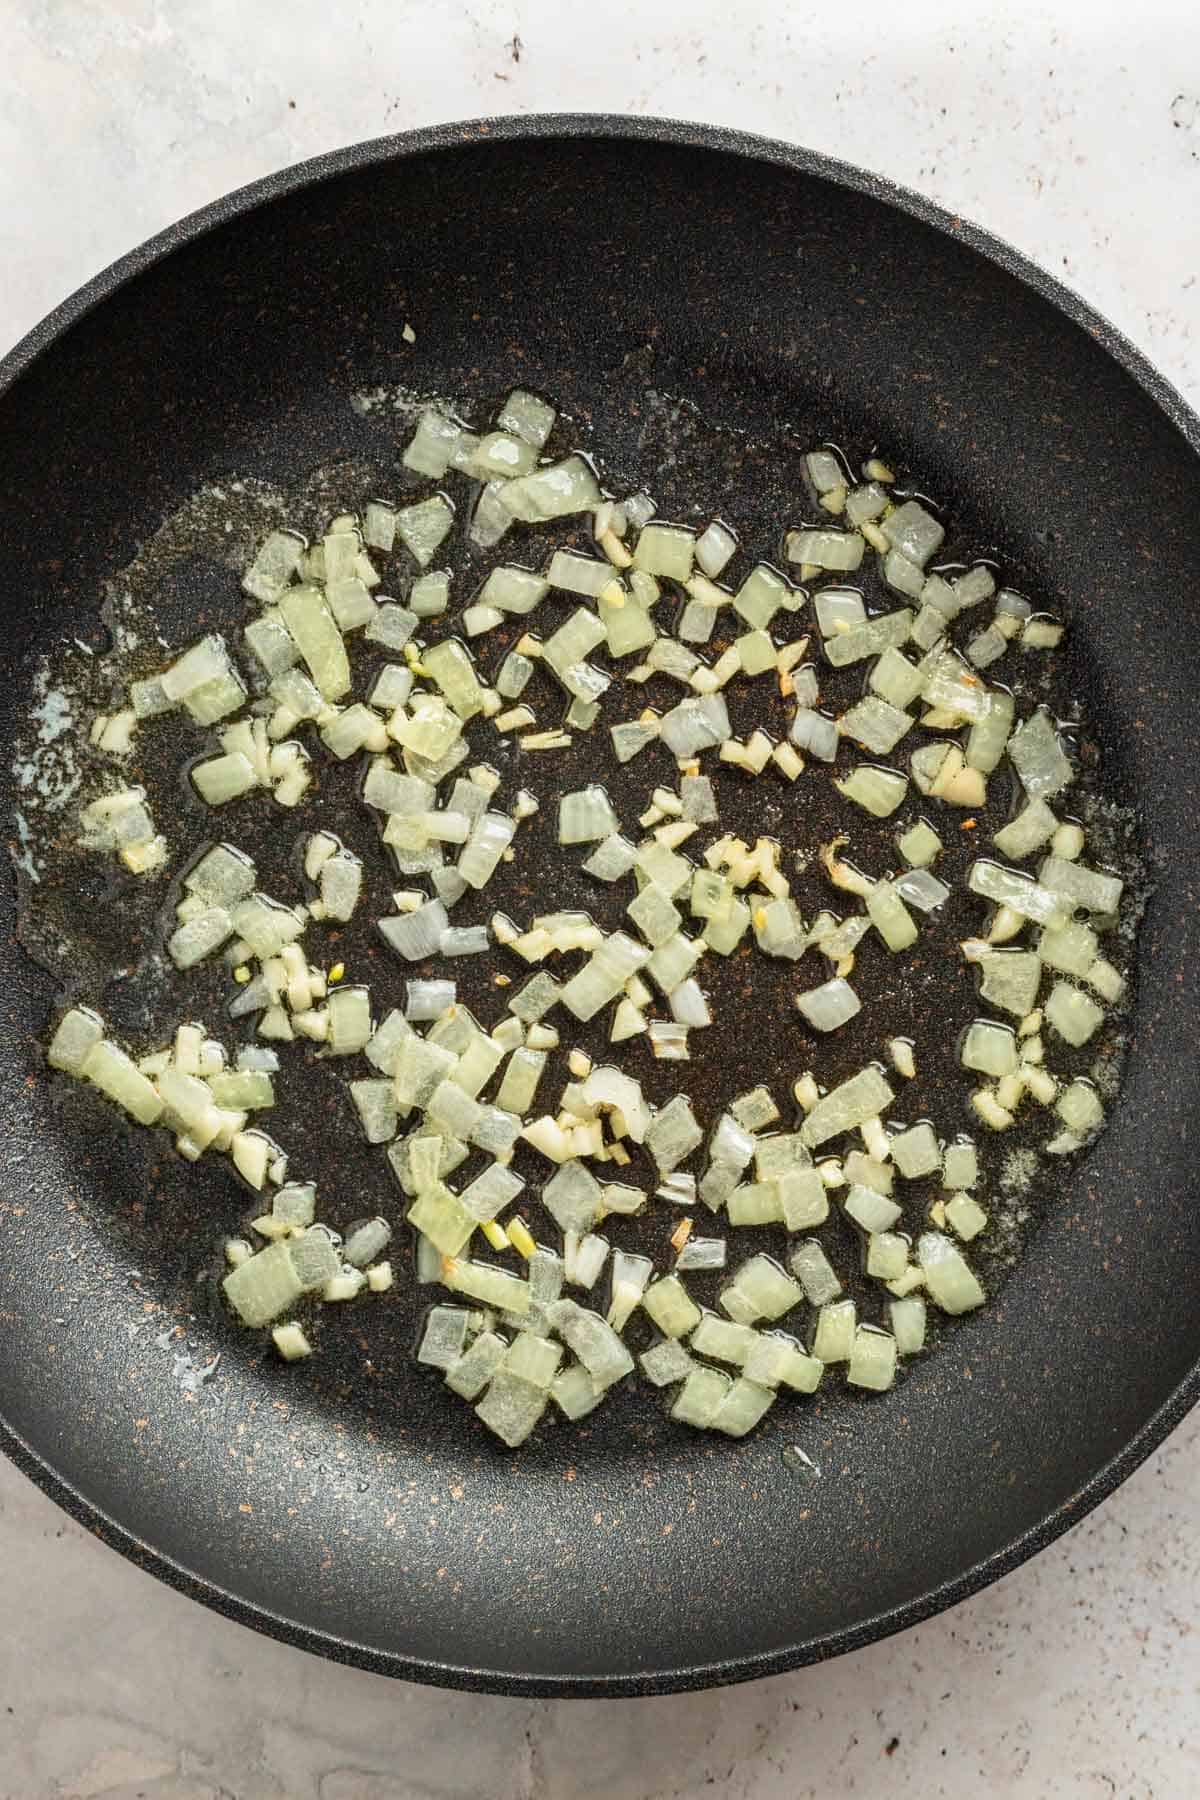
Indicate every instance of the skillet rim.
{"type": "Point", "coordinates": [689, 135]}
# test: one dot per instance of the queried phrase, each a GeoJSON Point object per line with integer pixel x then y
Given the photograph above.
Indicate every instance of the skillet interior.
{"type": "Point", "coordinates": [355, 1516]}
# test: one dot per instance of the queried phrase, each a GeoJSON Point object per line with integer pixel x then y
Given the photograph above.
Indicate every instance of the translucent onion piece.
{"type": "Point", "coordinates": [829, 1006]}
{"type": "Point", "coordinates": [266, 1285]}
{"type": "Point", "coordinates": [688, 1005]}
{"type": "Point", "coordinates": [890, 916]}
{"type": "Point", "coordinates": [1079, 1107]}
{"type": "Point", "coordinates": [423, 526]}
{"type": "Point", "coordinates": [593, 1341]}
{"type": "Point", "coordinates": [866, 503]}
{"type": "Point", "coordinates": [989, 734]}
{"type": "Point", "coordinates": [842, 550]}
{"type": "Point", "coordinates": [349, 1010]}
{"type": "Point", "coordinates": [205, 680]}
{"type": "Point", "coordinates": [576, 574]}
{"type": "Point", "coordinates": [1088, 889]}
{"type": "Point", "coordinates": [904, 576]}
{"type": "Point", "coordinates": [863, 1096]}
{"type": "Point", "coordinates": [1070, 951]}
{"type": "Point", "coordinates": [714, 547]}
{"type": "Point", "coordinates": [699, 1399]}
{"type": "Point", "coordinates": [1009, 978]}
{"type": "Point", "coordinates": [977, 585]}
{"type": "Point", "coordinates": [551, 492]}
{"type": "Point", "coordinates": [825, 470]}
{"type": "Point", "coordinates": [895, 679]}
{"type": "Point", "coordinates": [876, 725]}
{"type": "Point", "coordinates": [723, 1340]}
{"type": "Point", "coordinates": [871, 639]}
{"type": "Point", "coordinates": [965, 1216]}
{"type": "Point", "coordinates": [878, 791]}
{"type": "Point", "coordinates": [665, 1363]}
{"type": "Point", "coordinates": [874, 1212]}
{"type": "Point", "coordinates": [763, 1287]}
{"type": "Point", "coordinates": [948, 1277]}
{"type": "Point", "coordinates": [498, 454]}
{"type": "Point", "coordinates": [695, 725]}
{"type": "Point", "coordinates": [464, 940]}
{"type": "Point", "coordinates": [1018, 891]}
{"type": "Point", "coordinates": [921, 889]}
{"type": "Point", "coordinates": [815, 733]}
{"type": "Point", "coordinates": [887, 1256]}
{"type": "Point", "coordinates": [391, 626]}
{"type": "Point", "coordinates": [920, 845]}
{"type": "Point", "coordinates": [1039, 758]}
{"type": "Point", "coordinates": [428, 1000]}
{"type": "Point", "coordinates": [742, 1408]}
{"type": "Point", "coordinates": [872, 1359]}
{"type": "Point", "coordinates": [527, 416]}
{"type": "Point", "coordinates": [511, 1407]}
{"type": "Point", "coordinates": [586, 816]}
{"type": "Point", "coordinates": [670, 1306]}
{"type": "Point", "coordinates": [445, 1336]}
{"type": "Point", "coordinates": [341, 881]}
{"type": "Point", "coordinates": [433, 445]}
{"type": "Point", "coordinates": [418, 934]}
{"type": "Point", "coordinates": [1072, 1013]}
{"type": "Point", "coordinates": [205, 932]}
{"type": "Point", "coordinates": [314, 629]}
{"type": "Point", "coordinates": [701, 1253]}
{"type": "Point", "coordinates": [489, 839]}
{"type": "Point", "coordinates": [274, 565]}
{"type": "Point", "coordinates": [763, 593]}
{"type": "Point", "coordinates": [986, 647]}
{"type": "Point", "coordinates": [907, 1320]}
{"type": "Point", "coordinates": [452, 669]}
{"type": "Point", "coordinates": [838, 610]}
{"type": "Point", "coordinates": [78, 1032]}
{"type": "Point", "coordinates": [815, 1273]}
{"type": "Point", "coordinates": [912, 530]}
{"type": "Point", "coordinates": [916, 1152]}
{"type": "Point", "coordinates": [665, 550]}
{"type": "Point", "coordinates": [1032, 827]}
{"type": "Point", "coordinates": [833, 1337]}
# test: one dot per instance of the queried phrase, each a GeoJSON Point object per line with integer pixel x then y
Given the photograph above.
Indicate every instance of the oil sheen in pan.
{"type": "Point", "coordinates": [106, 931]}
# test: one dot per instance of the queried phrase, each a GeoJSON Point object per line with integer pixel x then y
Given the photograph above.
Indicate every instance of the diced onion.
{"type": "Point", "coordinates": [829, 1006]}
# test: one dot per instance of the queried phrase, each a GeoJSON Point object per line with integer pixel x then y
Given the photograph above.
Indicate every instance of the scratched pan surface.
{"type": "Point", "coordinates": [346, 1506]}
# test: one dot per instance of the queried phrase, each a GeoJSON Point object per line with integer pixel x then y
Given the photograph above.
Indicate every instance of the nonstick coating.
{"type": "Point", "coordinates": [774, 290]}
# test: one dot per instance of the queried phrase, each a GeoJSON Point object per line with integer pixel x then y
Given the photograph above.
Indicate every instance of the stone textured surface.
{"type": "Point", "coordinates": [1076, 134]}
{"type": "Point", "coordinates": [1073, 131]}
{"type": "Point", "coordinates": [1075, 1677]}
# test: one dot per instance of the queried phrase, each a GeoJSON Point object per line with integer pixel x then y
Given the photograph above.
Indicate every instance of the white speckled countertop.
{"type": "Point", "coordinates": [1072, 131]}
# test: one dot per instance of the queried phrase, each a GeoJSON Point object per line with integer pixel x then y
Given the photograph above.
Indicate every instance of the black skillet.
{"type": "Point", "coordinates": [344, 1507]}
